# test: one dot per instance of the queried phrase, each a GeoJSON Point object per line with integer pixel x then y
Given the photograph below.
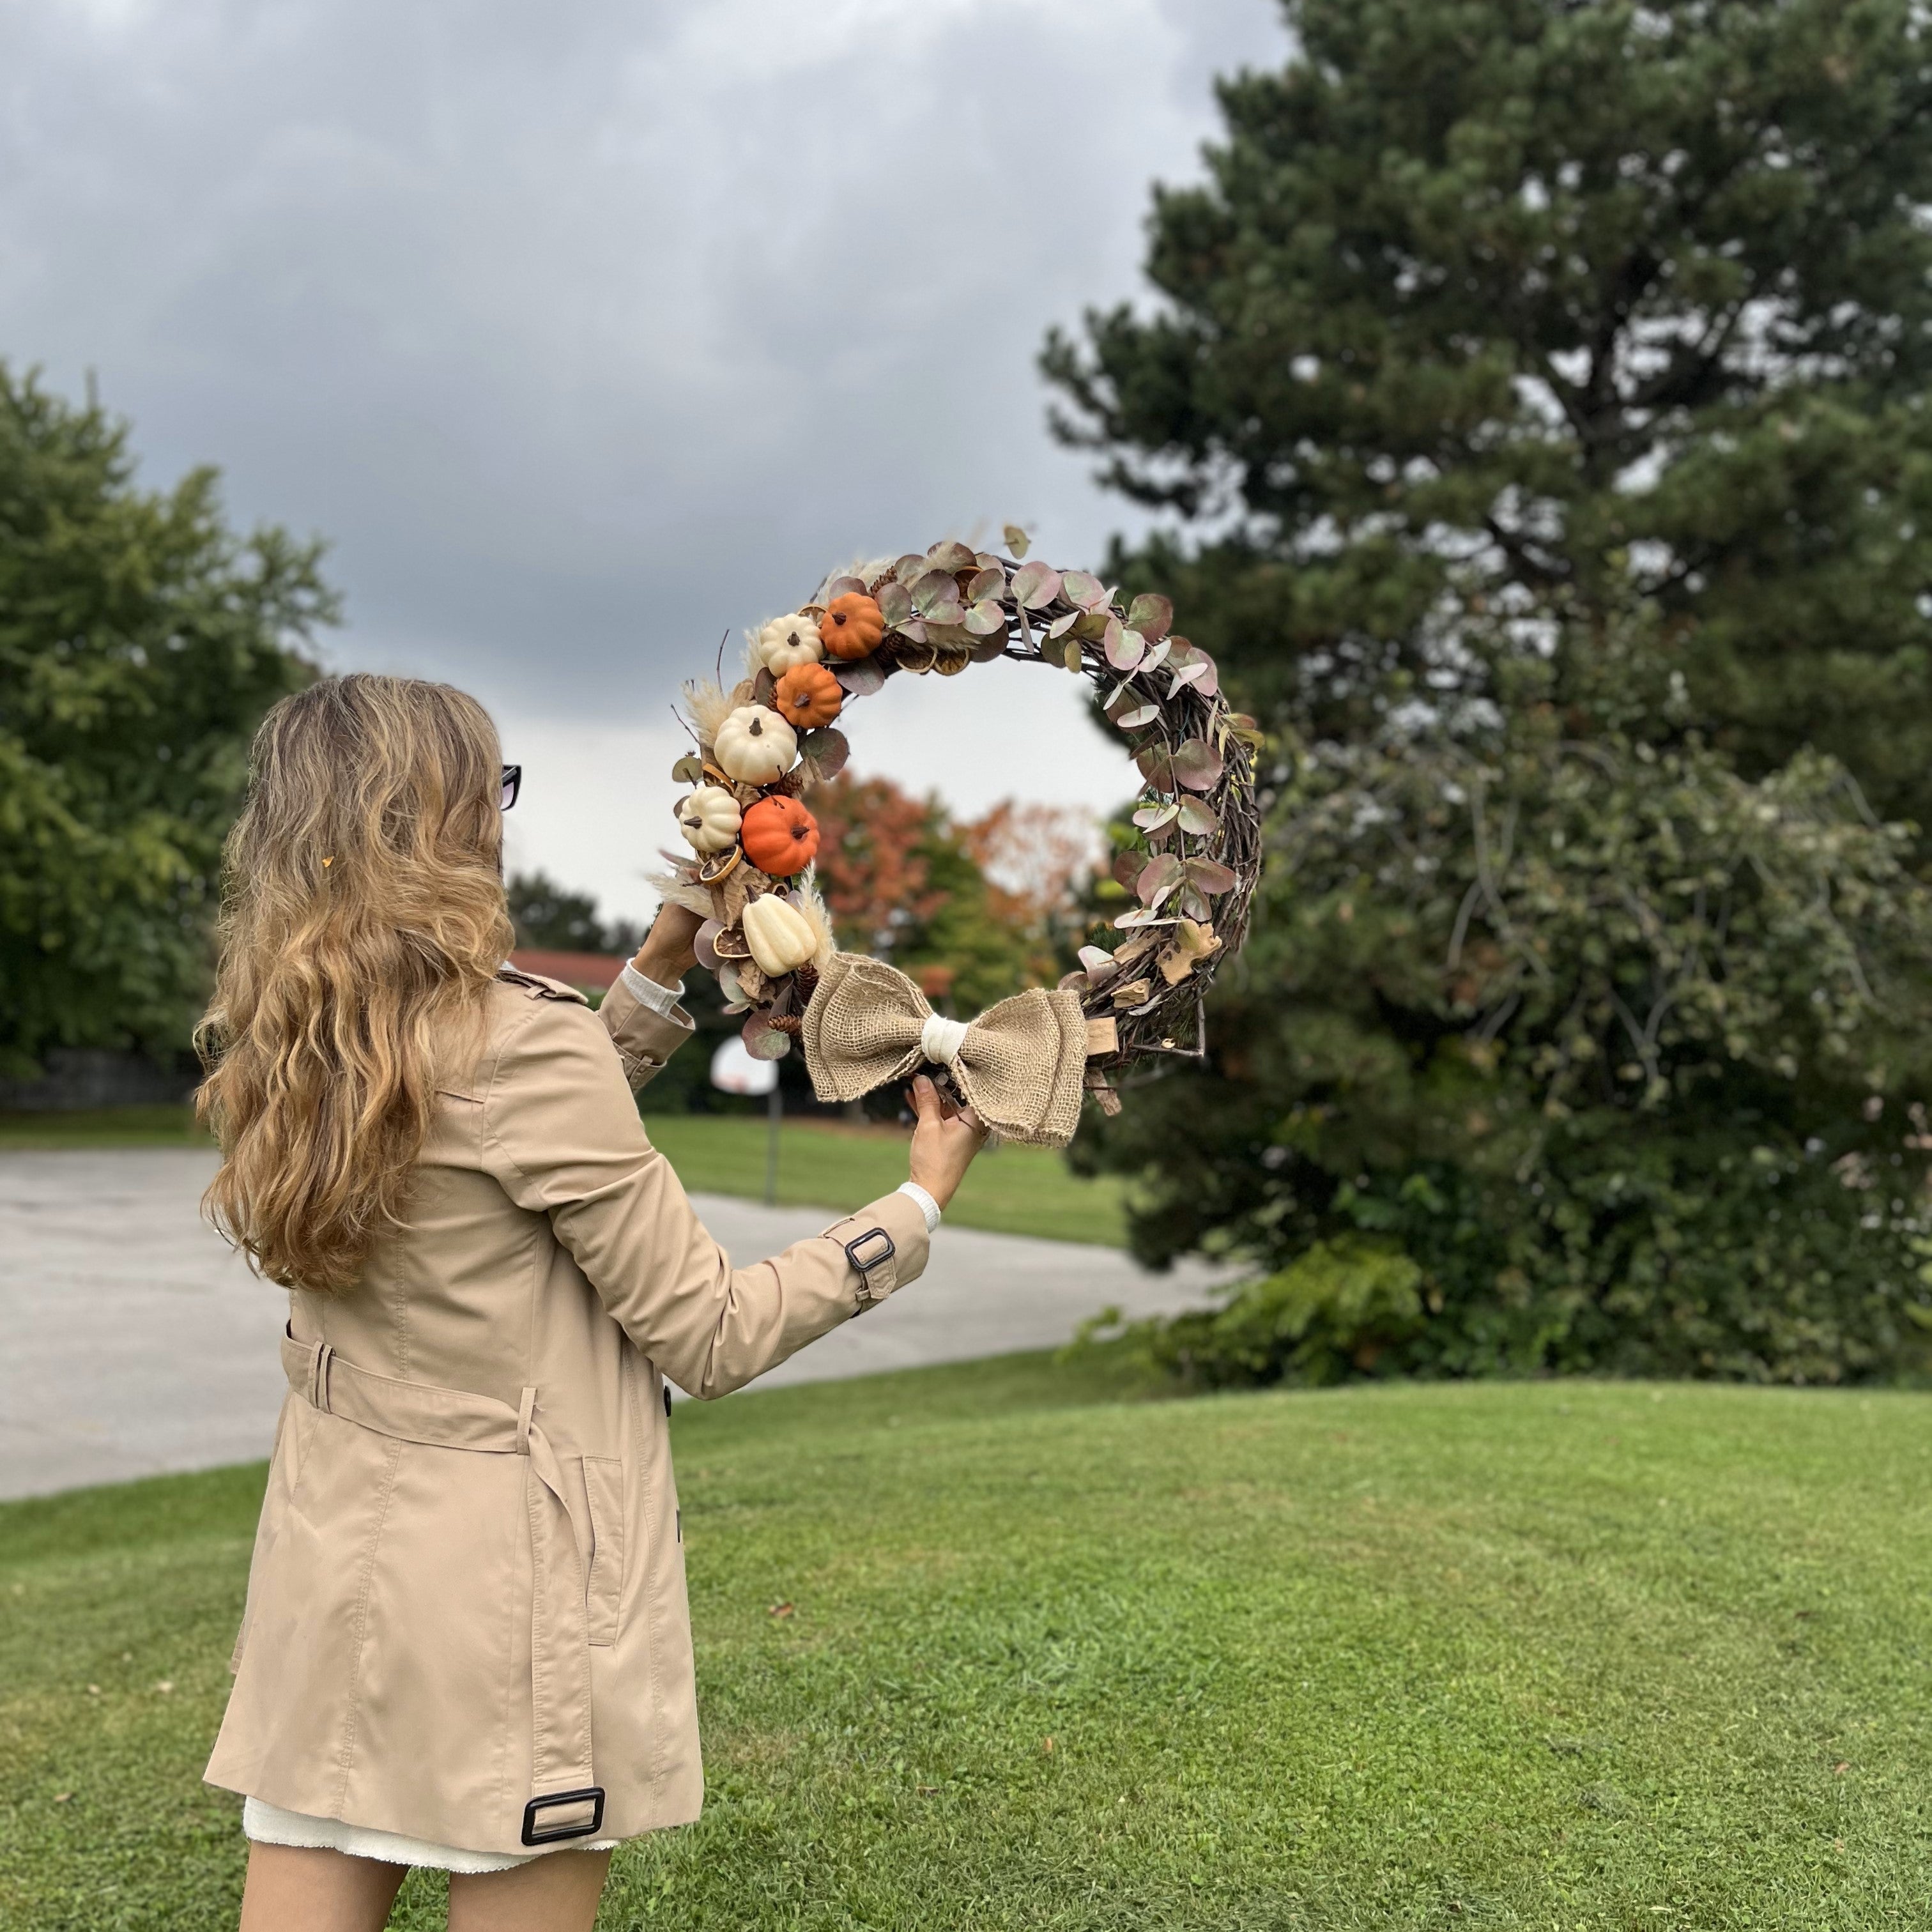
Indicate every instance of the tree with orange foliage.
{"type": "Point", "coordinates": [972, 912]}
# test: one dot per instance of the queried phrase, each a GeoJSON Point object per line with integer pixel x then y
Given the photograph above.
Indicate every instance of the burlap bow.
{"type": "Point", "coordinates": [1020, 1065]}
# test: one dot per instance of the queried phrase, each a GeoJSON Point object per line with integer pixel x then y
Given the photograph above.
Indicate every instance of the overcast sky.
{"type": "Point", "coordinates": [585, 334]}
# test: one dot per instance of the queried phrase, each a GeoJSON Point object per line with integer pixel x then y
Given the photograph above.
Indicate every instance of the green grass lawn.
{"type": "Point", "coordinates": [991, 1647]}
{"type": "Point", "coordinates": [1012, 1190]}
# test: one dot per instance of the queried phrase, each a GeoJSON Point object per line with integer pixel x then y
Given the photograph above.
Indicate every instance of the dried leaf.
{"type": "Point", "coordinates": [1018, 542]}
{"type": "Point", "coordinates": [1095, 960]}
{"type": "Point", "coordinates": [1036, 585]}
{"type": "Point", "coordinates": [1131, 994]}
{"type": "Point", "coordinates": [895, 603]}
{"type": "Point", "coordinates": [1152, 617]}
{"type": "Point", "coordinates": [1197, 765]}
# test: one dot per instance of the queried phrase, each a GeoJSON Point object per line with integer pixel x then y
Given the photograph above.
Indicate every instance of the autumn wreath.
{"type": "Point", "coordinates": [763, 744]}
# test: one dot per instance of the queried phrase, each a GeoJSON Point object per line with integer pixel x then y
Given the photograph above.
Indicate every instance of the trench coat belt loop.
{"type": "Point", "coordinates": [447, 1418]}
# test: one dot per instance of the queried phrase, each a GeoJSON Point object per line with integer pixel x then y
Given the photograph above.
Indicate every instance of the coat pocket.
{"type": "Point", "coordinates": [604, 1489]}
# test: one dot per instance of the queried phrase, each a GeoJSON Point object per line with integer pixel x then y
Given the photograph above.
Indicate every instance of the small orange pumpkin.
{"type": "Point", "coordinates": [779, 836]}
{"type": "Point", "coordinates": [852, 625]}
{"type": "Point", "coordinates": [808, 695]}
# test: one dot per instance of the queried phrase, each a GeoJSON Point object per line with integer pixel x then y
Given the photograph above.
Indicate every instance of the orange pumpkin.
{"type": "Point", "coordinates": [808, 695]}
{"type": "Point", "coordinates": [779, 836]}
{"type": "Point", "coordinates": [852, 625]}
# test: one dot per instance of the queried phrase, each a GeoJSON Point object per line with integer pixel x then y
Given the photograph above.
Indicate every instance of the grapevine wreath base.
{"type": "Point", "coordinates": [762, 746]}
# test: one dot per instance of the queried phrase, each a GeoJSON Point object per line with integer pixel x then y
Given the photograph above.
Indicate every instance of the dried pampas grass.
{"type": "Point", "coordinates": [683, 892]}
{"type": "Point", "coordinates": [805, 897]}
{"type": "Point", "coordinates": [707, 705]}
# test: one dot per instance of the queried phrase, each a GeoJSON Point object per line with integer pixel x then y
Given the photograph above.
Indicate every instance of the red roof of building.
{"type": "Point", "coordinates": [589, 972]}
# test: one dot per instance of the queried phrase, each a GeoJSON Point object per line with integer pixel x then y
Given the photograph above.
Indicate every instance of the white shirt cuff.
{"type": "Point", "coordinates": [662, 1000]}
{"type": "Point", "coordinates": [927, 1206]}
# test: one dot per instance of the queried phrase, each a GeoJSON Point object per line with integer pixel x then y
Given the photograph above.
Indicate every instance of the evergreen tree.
{"type": "Point", "coordinates": [1545, 382]}
{"type": "Point", "coordinates": [1488, 303]}
{"type": "Point", "coordinates": [140, 642]}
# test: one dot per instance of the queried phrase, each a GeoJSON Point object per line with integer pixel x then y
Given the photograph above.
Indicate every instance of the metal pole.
{"type": "Point", "coordinates": [774, 1114]}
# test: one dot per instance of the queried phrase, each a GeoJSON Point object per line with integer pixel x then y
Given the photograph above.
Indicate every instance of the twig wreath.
{"type": "Point", "coordinates": [1025, 1064]}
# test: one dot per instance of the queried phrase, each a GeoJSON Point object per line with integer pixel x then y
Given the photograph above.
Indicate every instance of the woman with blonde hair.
{"type": "Point", "coordinates": [466, 1642]}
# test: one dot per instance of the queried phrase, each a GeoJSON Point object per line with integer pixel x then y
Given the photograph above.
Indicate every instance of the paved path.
{"type": "Point", "coordinates": [133, 1341]}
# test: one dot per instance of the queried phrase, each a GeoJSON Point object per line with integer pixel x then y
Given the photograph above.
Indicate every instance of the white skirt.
{"type": "Point", "coordinates": [270, 1824]}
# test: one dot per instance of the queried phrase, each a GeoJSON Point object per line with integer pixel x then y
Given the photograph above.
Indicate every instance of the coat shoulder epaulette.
{"type": "Point", "coordinates": [536, 987]}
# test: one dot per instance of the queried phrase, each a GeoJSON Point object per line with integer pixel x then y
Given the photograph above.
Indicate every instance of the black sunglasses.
{"type": "Point", "coordinates": [513, 783]}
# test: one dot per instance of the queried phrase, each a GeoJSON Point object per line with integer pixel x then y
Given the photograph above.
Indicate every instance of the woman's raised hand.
{"type": "Point", "coordinates": [943, 1144]}
{"type": "Point", "coordinates": [670, 950]}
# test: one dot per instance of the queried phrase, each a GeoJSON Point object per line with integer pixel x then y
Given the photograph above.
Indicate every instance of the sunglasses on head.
{"type": "Point", "coordinates": [513, 783]}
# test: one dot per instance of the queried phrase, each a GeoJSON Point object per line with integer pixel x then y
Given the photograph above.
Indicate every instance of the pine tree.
{"type": "Point", "coordinates": [1544, 383]}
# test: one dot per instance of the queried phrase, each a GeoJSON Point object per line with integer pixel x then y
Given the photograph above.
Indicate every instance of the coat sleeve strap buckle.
{"type": "Point", "coordinates": [591, 1795]}
{"type": "Point", "coordinates": [873, 1250]}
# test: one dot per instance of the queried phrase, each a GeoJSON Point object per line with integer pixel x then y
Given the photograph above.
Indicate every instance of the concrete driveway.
{"type": "Point", "coordinates": [133, 1341]}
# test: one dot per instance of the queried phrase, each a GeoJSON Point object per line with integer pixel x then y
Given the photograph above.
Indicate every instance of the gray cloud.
{"type": "Point", "coordinates": [586, 333]}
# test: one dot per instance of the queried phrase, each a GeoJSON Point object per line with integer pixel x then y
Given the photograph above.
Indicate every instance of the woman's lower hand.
{"type": "Point", "coordinates": [943, 1144]}
{"type": "Point", "coordinates": [670, 950]}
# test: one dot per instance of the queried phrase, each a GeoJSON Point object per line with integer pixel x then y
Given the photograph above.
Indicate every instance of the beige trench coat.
{"type": "Point", "coordinates": [467, 1595]}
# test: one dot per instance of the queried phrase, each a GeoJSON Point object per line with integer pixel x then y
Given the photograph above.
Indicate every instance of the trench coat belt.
{"type": "Point", "coordinates": [447, 1418]}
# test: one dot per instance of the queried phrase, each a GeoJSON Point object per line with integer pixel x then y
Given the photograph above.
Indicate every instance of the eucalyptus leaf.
{"type": "Point", "coordinates": [860, 677]}
{"type": "Point", "coordinates": [910, 566]}
{"type": "Point", "coordinates": [935, 587]}
{"type": "Point", "coordinates": [895, 603]}
{"type": "Point", "coordinates": [1062, 624]}
{"type": "Point", "coordinates": [763, 1041]}
{"type": "Point", "coordinates": [1156, 656]}
{"type": "Point", "coordinates": [987, 618]}
{"type": "Point", "coordinates": [986, 583]}
{"type": "Point", "coordinates": [845, 587]}
{"type": "Point", "coordinates": [828, 748]}
{"type": "Point", "coordinates": [1079, 587]}
{"type": "Point", "coordinates": [1018, 542]}
{"type": "Point", "coordinates": [1197, 765]}
{"type": "Point", "coordinates": [1196, 819]}
{"type": "Point", "coordinates": [1158, 877]}
{"type": "Point", "coordinates": [1125, 651]}
{"type": "Point", "coordinates": [1141, 714]}
{"type": "Point", "coordinates": [1092, 626]}
{"type": "Point", "coordinates": [1036, 585]}
{"type": "Point", "coordinates": [1152, 617]}
{"type": "Point", "coordinates": [1208, 875]}
{"type": "Point", "coordinates": [951, 555]}
{"type": "Point", "coordinates": [1127, 868]}
{"type": "Point", "coordinates": [689, 769]}
{"type": "Point", "coordinates": [1149, 816]}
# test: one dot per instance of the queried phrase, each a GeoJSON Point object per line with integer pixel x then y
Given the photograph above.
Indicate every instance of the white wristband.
{"type": "Point", "coordinates": [662, 1000]}
{"type": "Point", "coordinates": [927, 1206]}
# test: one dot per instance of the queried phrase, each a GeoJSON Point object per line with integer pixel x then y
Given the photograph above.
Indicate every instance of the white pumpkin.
{"type": "Point", "coordinates": [780, 936]}
{"type": "Point", "coordinates": [786, 643]}
{"type": "Point", "coordinates": [710, 819]}
{"type": "Point", "coordinates": [754, 745]}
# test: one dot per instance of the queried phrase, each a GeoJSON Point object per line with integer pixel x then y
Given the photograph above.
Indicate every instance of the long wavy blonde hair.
{"type": "Point", "coordinates": [362, 920]}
